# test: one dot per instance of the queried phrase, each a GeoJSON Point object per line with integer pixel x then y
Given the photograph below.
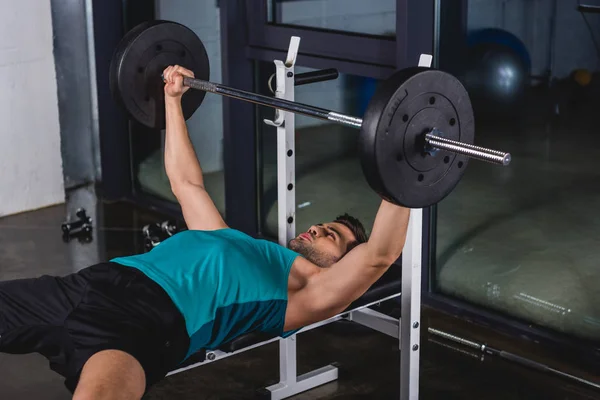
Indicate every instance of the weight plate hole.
{"type": "Point", "coordinates": [446, 160]}
{"type": "Point", "coordinates": [147, 98]}
{"type": "Point", "coordinates": [399, 157]}
{"type": "Point", "coordinates": [421, 177]}
{"type": "Point", "coordinates": [159, 47]}
{"type": "Point", "coordinates": [432, 100]}
{"type": "Point", "coordinates": [460, 164]}
{"type": "Point", "coordinates": [141, 70]}
{"type": "Point", "coordinates": [452, 122]}
{"type": "Point", "coordinates": [405, 118]}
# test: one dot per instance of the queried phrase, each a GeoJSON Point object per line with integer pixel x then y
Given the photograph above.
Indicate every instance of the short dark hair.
{"type": "Point", "coordinates": [357, 228]}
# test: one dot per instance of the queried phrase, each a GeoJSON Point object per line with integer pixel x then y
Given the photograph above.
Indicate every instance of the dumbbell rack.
{"type": "Point", "coordinates": [406, 329]}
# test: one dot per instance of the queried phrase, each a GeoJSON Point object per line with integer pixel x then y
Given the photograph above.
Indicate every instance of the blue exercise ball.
{"type": "Point", "coordinates": [500, 36]}
{"type": "Point", "coordinates": [497, 75]}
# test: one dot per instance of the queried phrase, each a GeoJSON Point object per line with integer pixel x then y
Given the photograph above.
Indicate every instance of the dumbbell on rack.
{"type": "Point", "coordinates": [155, 233]}
{"type": "Point", "coordinates": [81, 227]}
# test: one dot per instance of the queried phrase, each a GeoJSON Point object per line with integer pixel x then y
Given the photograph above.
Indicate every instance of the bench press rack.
{"type": "Point", "coordinates": [406, 329]}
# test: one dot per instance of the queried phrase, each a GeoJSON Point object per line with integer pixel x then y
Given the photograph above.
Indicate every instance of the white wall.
{"type": "Point", "coordinates": [206, 126]}
{"type": "Point", "coordinates": [30, 160]}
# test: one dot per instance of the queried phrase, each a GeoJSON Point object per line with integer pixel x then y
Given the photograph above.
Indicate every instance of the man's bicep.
{"type": "Point", "coordinates": [331, 290]}
{"type": "Point", "coordinates": [348, 279]}
{"type": "Point", "coordinates": [199, 210]}
{"type": "Point", "coordinates": [352, 276]}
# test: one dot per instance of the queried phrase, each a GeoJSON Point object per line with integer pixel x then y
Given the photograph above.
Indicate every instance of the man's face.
{"type": "Point", "coordinates": [323, 244]}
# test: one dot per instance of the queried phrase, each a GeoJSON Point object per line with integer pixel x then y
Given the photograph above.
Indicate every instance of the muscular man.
{"type": "Point", "coordinates": [114, 329]}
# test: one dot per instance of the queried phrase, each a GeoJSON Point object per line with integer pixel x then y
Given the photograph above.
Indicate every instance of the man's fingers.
{"type": "Point", "coordinates": [173, 71]}
{"type": "Point", "coordinates": [185, 71]}
{"type": "Point", "coordinates": [167, 74]}
{"type": "Point", "coordinates": [178, 69]}
{"type": "Point", "coordinates": [178, 79]}
{"type": "Point", "coordinates": [173, 76]}
{"type": "Point", "coordinates": [178, 74]}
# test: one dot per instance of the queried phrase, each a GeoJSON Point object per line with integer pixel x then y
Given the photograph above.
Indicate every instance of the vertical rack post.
{"type": "Point", "coordinates": [410, 322]}
{"type": "Point", "coordinates": [286, 188]}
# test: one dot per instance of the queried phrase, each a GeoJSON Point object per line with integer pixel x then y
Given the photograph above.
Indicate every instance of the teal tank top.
{"type": "Point", "coordinates": [224, 282]}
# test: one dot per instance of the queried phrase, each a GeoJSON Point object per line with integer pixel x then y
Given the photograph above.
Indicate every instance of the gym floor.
{"type": "Point", "coordinates": [369, 361]}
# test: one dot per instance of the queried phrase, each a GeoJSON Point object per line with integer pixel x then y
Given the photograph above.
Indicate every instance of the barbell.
{"type": "Point", "coordinates": [416, 136]}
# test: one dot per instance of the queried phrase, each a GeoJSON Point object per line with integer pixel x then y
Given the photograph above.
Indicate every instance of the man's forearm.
{"type": "Point", "coordinates": [389, 232]}
{"type": "Point", "coordinates": [181, 161]}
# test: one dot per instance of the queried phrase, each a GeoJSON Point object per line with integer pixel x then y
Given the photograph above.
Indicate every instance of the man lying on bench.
{"type": "Point", "coordinates": [114, 329]}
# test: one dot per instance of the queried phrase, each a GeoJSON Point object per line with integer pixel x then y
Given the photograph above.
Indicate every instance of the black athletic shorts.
{"type": "Point", "coordinates": [106, 306]}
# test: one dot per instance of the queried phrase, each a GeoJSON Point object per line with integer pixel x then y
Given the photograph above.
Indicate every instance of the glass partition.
{"type": "Point", "coordinates": [206, 125]}
{"type": "Point", "coordinates": [374, 17]}
{"type": "Point", "coordinates": [523, 240]}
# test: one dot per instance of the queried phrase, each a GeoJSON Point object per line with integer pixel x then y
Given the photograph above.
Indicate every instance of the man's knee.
{"type": "Point", "coordinates": [99, 392]}
{"type": "Point", "coordinates": [111, 374]}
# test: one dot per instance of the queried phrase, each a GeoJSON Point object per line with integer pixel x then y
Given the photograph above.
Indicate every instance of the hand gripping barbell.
{"type": "Point", "coordinates": [415, 138]}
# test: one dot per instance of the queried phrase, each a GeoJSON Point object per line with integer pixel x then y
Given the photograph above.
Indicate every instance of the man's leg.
{"type": "Point", "coordinates": [127, 335]}
{"type": "Point", "coordinates": [111, 374]}
{"type": "Point", "coordinates": [105, 324]}
{"type": "Point", "coordinates": [31, 315]}
{"type": "Point", "coordinates": [42, 301]}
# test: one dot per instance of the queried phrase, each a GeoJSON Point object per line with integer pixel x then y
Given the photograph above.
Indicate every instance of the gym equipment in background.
{"type": "Point", "coordinates": [497, 73]}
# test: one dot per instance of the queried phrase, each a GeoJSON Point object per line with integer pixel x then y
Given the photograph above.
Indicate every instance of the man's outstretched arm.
{"type": "Point", "coordinates": [331, 290]}
{"type": "Point", "coordinates": [181, 163]}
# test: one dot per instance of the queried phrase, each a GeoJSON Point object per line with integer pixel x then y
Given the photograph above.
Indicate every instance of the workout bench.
{"type": "Point", "coordinates": [404, 279]}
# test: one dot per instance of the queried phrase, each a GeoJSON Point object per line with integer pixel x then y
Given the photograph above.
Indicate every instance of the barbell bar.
{"type": "Point", "coordinates": [438, 142]}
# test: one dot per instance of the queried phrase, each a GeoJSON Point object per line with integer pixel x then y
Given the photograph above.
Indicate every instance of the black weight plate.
{"type": "Point", "coordinates": [141, 57]}
{"type": "Point", "coordinates": [404, 108]}
{"type": "Point", "coordinates": [118, 55]}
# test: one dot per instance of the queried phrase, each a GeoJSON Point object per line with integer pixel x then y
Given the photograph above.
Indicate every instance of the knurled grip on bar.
{"type": "Point", "coordinates": [479, 153]}
{"type": "Point", "coordinates": [199, 84]}
{"type": "Point", "coordinates": [470, 146]}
